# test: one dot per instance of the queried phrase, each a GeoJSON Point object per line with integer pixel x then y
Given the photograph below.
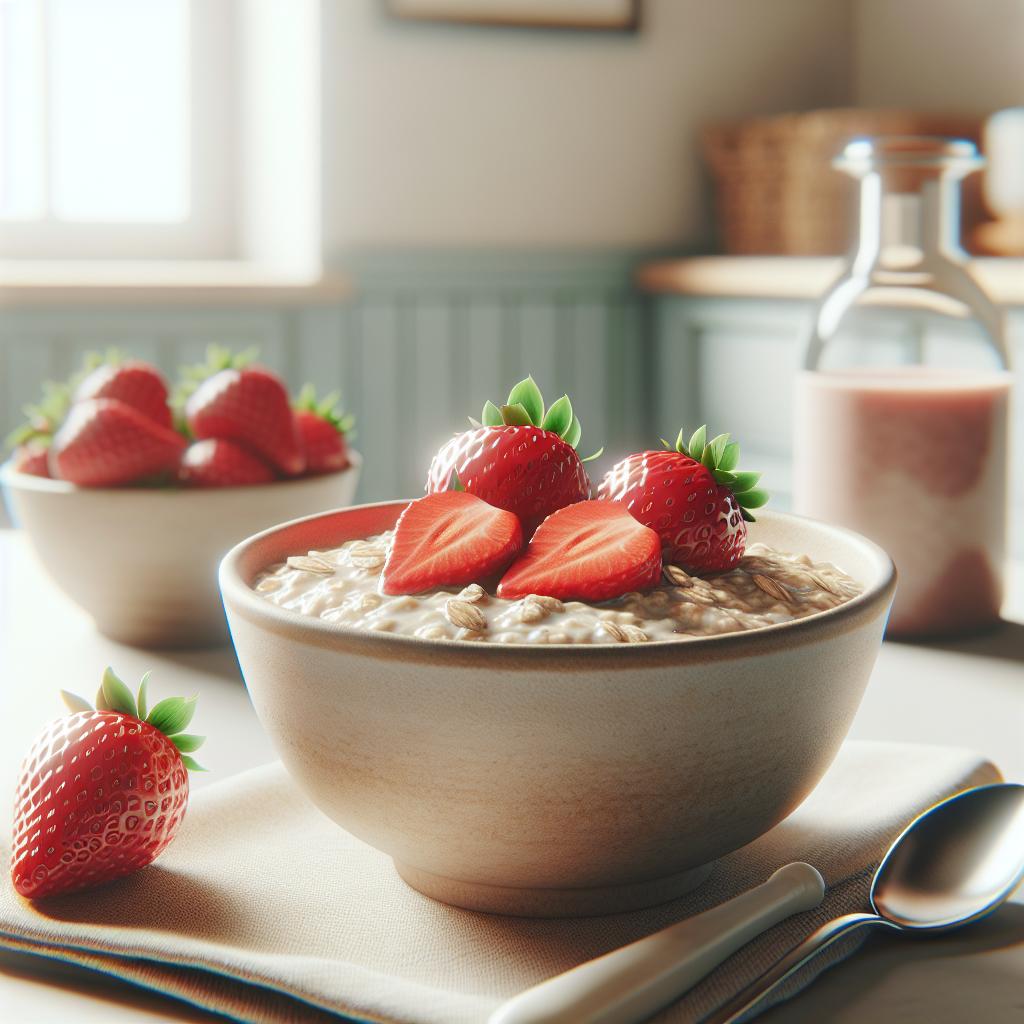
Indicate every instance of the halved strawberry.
{"type": "Point", "coordinates": [449, 539]}
{"type": "Point", "coordinates": [135, 383]}
{"type": "Point", "coordinates": [105, 443]}
{"type": "Point", "coordinates": [588, 551]}
{"type": "Point", "coordinates": [219, 463]}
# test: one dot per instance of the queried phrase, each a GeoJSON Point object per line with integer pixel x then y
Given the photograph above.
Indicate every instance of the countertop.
{"type": "Point", "coordinates": [968, 693]}
{"type": "Point", "coordinates": [796, 277]}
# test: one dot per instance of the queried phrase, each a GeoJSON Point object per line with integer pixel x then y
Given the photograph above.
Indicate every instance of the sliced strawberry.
{"type": "Point", "coordinates": [105, 443]}
{"type": "Point", "coordinates": [589, 551]}
{"type": "Point", "coordinates": [249, 405]}
{"type": "Point", "coordinates": [219, 463]}
{"type": "Point", "coordinates": [449, 539]}
{"type": "Point", "coordinates": [135, 383]}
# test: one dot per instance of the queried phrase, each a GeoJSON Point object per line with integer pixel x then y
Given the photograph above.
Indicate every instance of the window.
{"type": "Point", "coordinates": [115, 129]}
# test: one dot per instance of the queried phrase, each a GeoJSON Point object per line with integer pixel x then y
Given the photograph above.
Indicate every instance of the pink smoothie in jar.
{"type": "Point", "coordinates": [916, 459]}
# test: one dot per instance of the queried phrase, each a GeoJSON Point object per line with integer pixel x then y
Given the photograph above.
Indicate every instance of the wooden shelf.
{"type": "Point", "coordinates": [795, 278]}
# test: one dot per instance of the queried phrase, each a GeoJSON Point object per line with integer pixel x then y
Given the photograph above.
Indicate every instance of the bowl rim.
{"type": "Point", "coordinates": [10, 477]}
{"type": "Point", "coordinates": [240, 599]}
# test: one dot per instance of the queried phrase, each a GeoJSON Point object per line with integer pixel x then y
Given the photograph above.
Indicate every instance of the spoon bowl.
{"type": "Point", "coordinates": [956, 862]}
{"type": "Point", "coordinates": [953, 864]}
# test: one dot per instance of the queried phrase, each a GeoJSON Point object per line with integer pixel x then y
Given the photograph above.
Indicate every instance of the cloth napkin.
{"type": "Point", "coordinates": [264, 910]}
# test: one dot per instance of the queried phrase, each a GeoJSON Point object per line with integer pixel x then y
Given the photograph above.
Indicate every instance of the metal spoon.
{"type": "Point", "coordinates": [951, 865]}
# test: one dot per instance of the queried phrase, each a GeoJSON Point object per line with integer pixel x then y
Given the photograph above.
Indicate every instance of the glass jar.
{"type": "Point", "coordinates": [902, 410]}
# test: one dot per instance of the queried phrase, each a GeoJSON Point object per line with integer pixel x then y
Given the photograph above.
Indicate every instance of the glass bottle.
{"type": "Point", "coordinates": [902, 409]}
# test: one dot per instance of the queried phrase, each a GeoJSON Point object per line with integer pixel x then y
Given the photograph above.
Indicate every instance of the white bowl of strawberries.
{"type": "Point", "coordinates": [130, 508]}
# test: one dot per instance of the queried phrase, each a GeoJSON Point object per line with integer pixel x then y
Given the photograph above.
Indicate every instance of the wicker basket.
{"type": "Point", "coordinates": [776, 191]}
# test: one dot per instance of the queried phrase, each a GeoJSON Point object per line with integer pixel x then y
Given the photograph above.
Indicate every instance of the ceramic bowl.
{"type": "Point", "coordinates": [555, 779]}
{"type": "Point", "coordinates": [143, 561]}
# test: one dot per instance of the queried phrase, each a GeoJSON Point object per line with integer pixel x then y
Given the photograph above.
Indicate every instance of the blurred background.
{"type": "Point", "coordinates": [420, 201]}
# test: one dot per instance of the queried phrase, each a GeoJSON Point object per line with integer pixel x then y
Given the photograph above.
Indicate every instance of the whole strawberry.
{"type": "Point", "coordinates": [135, 383]}
{"type": "Point", "coordinates": [322, 429]}
{"type": "Point", "coordinates": [219, 463]}
{"type": "Point", "coordinates": [692, 496]}
{"type": "Point", "coordinates": [102, 791]}
{"type": "Point", "coordinates": [248, 404]}
{"type": "Point", "coordinates": [32, 458]}
{"type": "Point", "coordinates": [105, 443]}
{"type": "Point", "coordinates": [520, 457]}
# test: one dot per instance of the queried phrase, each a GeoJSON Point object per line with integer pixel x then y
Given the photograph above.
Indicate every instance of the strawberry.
{"type": "Point", "coordinates": [102, 792]}
{"type": "Point", "coordinates": [135, 383]}
{"type": "Point", "coordinates": [693, 496]}
{"type": "Point", "coordinates": [219, 463]}
{"type": "Point", "coordinates": [105, 443]}
{"type": "Point", "coordinates": [31, 458]}
{"type": "Point", "coordinates": [589, 551]}
{"type": "Point", "coordinates": [519, 458]}
{"type": "Point", "coordinates": [449, 539]}
{"type": "Point", "coordinates": [248, 404]}
{"type": "Point", "coordinates": [322, 430]}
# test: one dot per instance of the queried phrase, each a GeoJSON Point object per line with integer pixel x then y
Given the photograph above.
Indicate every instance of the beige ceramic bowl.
{"type": "Point", "coordinates": [143, 562]}
{"type": "Point", "coordinates": [552, 780]}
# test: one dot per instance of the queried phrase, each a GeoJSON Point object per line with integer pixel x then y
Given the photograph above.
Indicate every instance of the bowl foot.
{"type": "Point", "coordinates": [498, 899]}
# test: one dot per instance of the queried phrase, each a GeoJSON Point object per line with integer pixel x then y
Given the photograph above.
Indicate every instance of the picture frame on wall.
{"type": "Point", "coordinates": [601, 15]}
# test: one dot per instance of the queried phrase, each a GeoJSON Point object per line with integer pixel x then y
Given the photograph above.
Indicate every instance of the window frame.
{"type": "Point", "coordinates": [211, 230]}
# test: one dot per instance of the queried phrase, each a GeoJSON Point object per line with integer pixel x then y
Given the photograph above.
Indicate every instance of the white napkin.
{"type": "Point", "coordinates": [264, 910]}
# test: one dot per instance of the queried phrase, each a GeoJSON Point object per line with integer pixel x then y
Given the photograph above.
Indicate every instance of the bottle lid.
{"type": "Point", "coordinates": [862, 155]}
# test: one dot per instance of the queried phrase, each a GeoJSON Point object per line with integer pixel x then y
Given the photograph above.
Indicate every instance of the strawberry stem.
{"type": "Point", "coordinates": [525, 408]}
{"type": "Point", "coordinates": [170, 716]}
{"type": "Point", "coordinates": [721, 457]}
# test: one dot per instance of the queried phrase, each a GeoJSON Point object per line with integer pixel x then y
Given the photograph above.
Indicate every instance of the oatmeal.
{"type": "Point", "coordinates": [767, 587]}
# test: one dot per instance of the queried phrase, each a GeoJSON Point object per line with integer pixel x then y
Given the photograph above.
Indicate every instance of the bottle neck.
{"type": "Point", "coordinates": [901, 229]}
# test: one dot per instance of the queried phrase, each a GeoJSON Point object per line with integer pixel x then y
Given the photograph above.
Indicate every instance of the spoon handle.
{"type": "Point", "coordinates": [817, 941]}
{"type": "Point", "coordinates": [631, 983]}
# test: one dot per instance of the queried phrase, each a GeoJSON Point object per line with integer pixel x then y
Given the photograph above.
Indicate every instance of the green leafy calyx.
{"type": "Point", "coordinates": [45, 416]}
{"type": "Point", "coordinates": [525, 408]}
{"type": "Point", "coordinates": [170, 716]}
{"type": "Point", "coordinates": [720, 457]}
{"type": "Point", "coordinates": [326, 408]}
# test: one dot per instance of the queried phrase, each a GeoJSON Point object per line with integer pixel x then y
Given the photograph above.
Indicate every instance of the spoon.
{"type": "Point", "coordinates": [951, 865]}
{"type": "Point", "coordinates": [631, 983]}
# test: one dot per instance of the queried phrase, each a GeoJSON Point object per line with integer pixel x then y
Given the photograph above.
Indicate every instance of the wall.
{"type": "Point", "coordinates": [942, 55]}
{"type": "Point", "coordinates": [465, 136]}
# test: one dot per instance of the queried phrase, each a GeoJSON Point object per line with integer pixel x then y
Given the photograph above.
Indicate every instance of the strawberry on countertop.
{"type": "Point", "coordinates": [133, 382]}
{"type": "Point", "coordinates": [693, 496]}
{"type": "Point", "coordinates": [449, 539]}
{"type": "Point", "coordinates": [105, 443]}
{"type": "Point", "coordinates": [248, 404]}
{"type": "Point", "coordinates": [102, 791]}
{"type": "Point", "coordinates": [322, 429]}
{"type": "Point", "coordinates": [588, 551]}
{"type": "Point", "coordinates": [219, 463]}
{"type": "Point", "coordinates": [521, 457]}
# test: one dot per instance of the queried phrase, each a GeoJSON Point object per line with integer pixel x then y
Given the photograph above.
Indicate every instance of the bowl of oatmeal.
{"type": "Point", "coordinates": [142, 561]}
{"type": "Point", "coordinates": [546, 757]}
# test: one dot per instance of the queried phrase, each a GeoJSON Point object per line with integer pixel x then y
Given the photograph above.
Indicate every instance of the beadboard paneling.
{"type": "Point", "coordinates": [425, 340]}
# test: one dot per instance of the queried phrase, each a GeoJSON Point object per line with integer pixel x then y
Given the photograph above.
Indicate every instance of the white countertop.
{"type": "Point", "coordinates": [968, 693]}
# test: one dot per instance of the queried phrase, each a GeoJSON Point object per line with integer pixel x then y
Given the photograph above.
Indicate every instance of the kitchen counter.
{"type": "Point", "coordinates": [796, 277]}
{"type": "Point", "coordinates": [968, 693]}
